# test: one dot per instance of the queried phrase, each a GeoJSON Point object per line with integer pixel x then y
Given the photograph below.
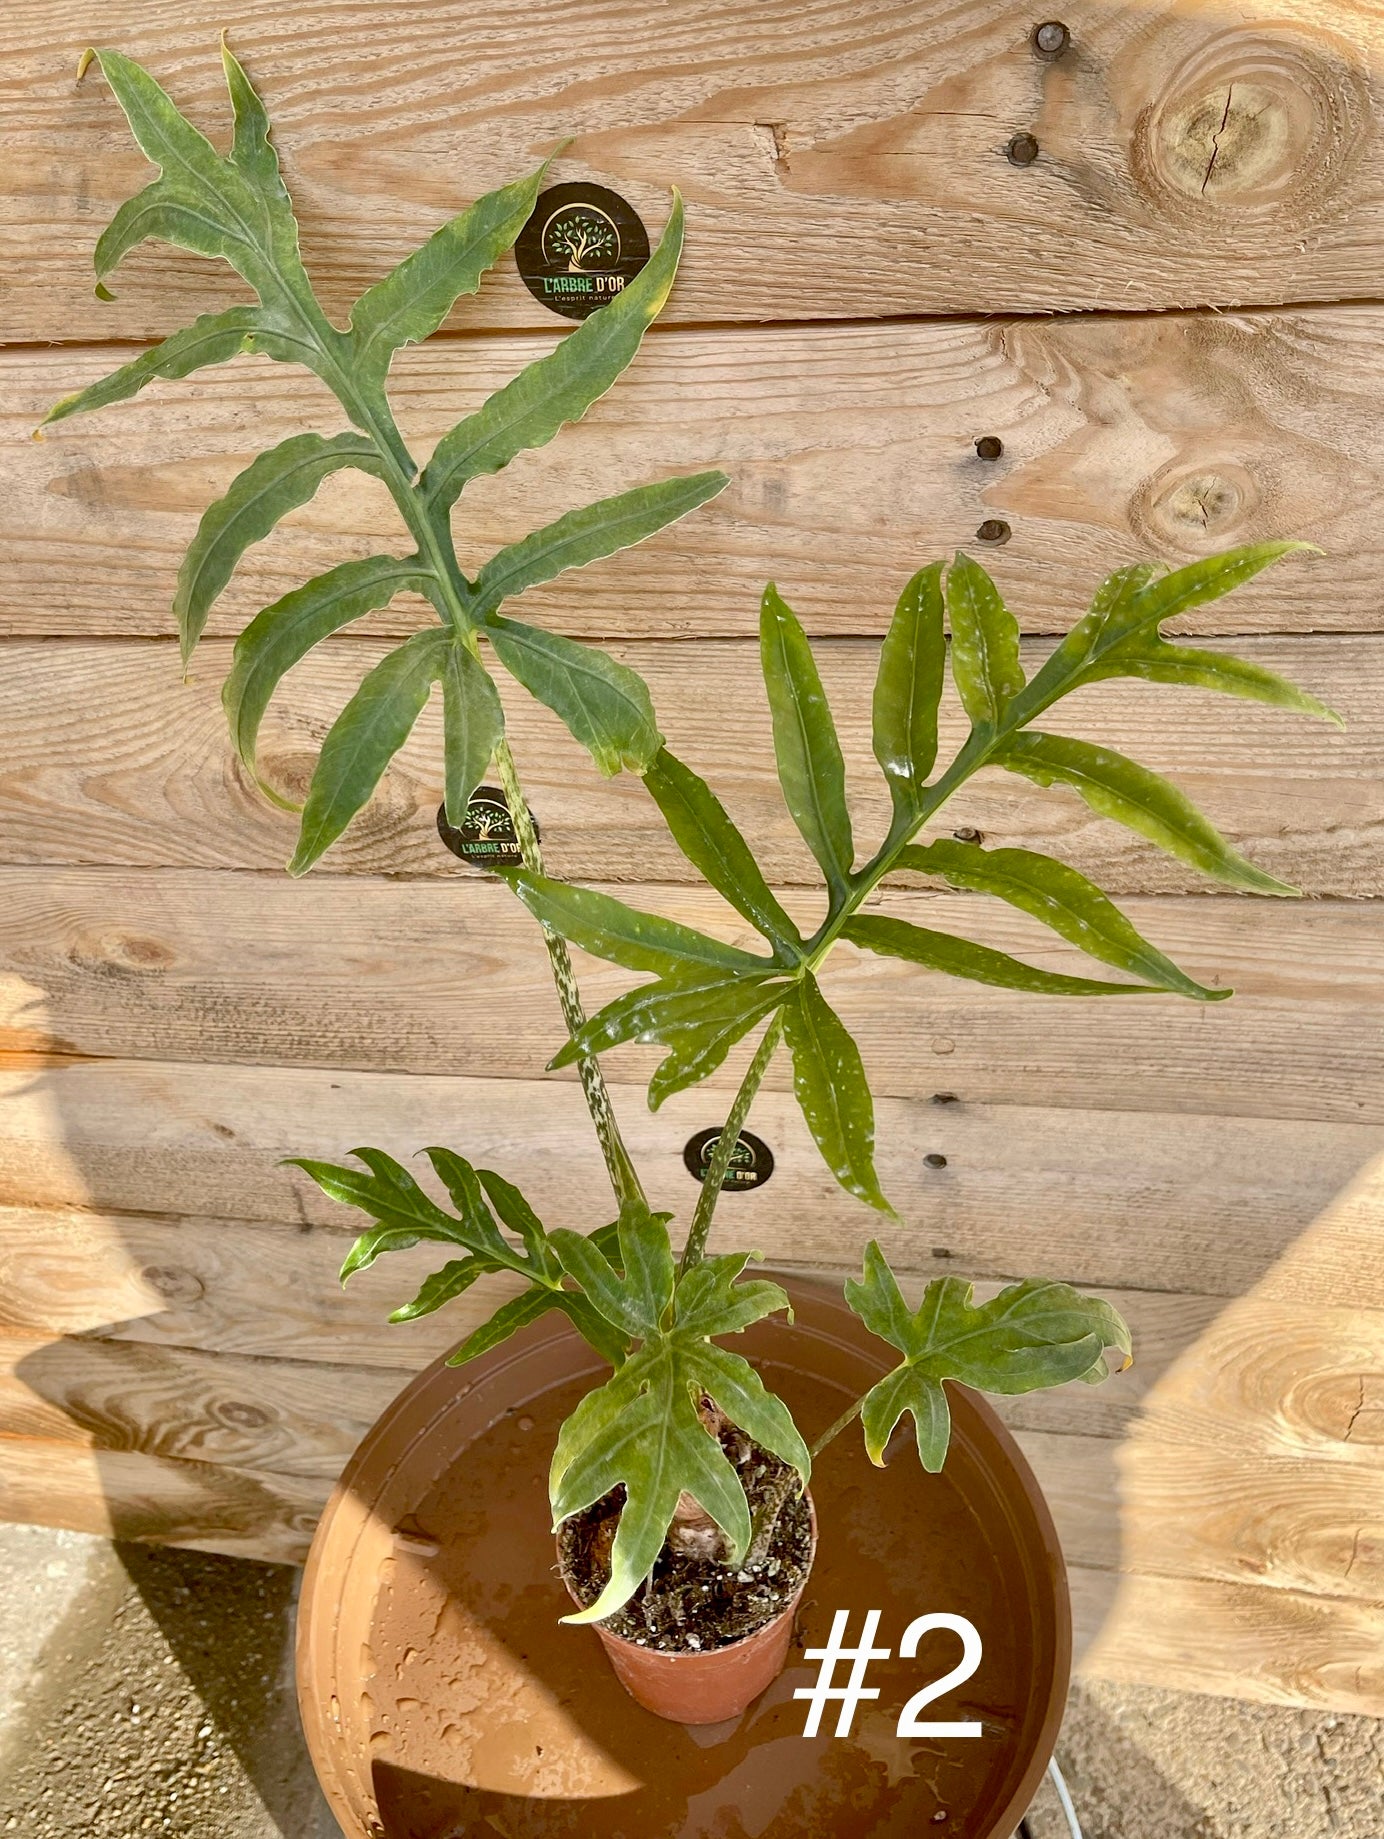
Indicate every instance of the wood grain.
{"type": "Point", "coordinates": [106, 756]}
{"type": "Point", "coordinates": [1117, 1199]}
{"type": "Point", "coordinates": [837, 160]}
{"type": "Point", "coordinates": [851, 455]}
{"type": "Point", "coordinates": [429, 978]}
{"type": "Point", "coordinates": [1278, 1647]}
{"type": "Point", "coordinates": [127, 1494]}
{"type": "Point", "coordinates": [295, 1417]}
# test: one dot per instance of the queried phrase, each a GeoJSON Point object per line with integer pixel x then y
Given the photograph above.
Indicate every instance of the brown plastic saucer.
{"type": "Point", "coordinates": [441, 1698]}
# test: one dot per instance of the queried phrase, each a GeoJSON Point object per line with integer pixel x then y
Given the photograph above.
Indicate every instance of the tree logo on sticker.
{"type": "Point", "coordinates": [582, 246]}
{"type": "Point", "coordinates": [751, 1161]}
{"type": "Point", "coordinates": [486, 834]}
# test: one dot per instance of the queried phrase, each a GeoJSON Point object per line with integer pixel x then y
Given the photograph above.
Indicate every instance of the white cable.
{"type": "Point", "coordinates": [1065, 1799]}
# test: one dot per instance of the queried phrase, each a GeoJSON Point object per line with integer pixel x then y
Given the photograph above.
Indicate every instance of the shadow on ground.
{"type": "Point", "coordinates": [160, 1700]}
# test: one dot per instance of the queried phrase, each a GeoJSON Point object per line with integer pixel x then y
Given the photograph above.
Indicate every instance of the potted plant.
{"type": "Point", "coordinates": [681, 1461]}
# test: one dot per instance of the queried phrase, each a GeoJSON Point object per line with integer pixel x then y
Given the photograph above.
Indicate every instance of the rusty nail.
{"type": "Point", "coordinates": [993, 530]}
{"type": "Point", "coordinates": [989, 446]}
{"type": "Point", "coordinates": [1022, 150]}
{"type": "Point", "coordinates": [1051, 38]}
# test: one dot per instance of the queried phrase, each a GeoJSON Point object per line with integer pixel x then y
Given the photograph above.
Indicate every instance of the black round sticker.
{"type": "Point", "coordinates": [583, 245]}
{"type": "Point", "coordinates": [751, 1164]}
{"type": "Point", "coordinates": [487, 836]}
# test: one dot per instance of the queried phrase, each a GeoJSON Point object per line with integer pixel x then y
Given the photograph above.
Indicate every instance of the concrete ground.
{"type": "Point", "coordinates": [150, 1691]}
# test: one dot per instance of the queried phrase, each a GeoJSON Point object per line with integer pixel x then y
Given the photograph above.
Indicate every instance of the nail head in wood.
{"type": "Point", "coordinates": [989, 446]}
{"type": "Point", "coordinates": [1051, 38]}
{"type": "Point", "coordinates": [993, 530]}
{"type": "Point", "coordinates": [967, 834]}
{"type": "Point", "coordinates": [1022, 150]}
{"type": "Point", "coordinates": [934, 1161]}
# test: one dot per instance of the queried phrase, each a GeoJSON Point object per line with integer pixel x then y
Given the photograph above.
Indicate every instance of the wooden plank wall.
{"type": "Point", "coordinates": [1171, 319]}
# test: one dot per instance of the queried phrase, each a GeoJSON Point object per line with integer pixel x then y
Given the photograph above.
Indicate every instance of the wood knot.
{"type": "Point", "coordinates": [173, 1283]}
{"type": "Point", "coordinates": [1255, 120]}
{"type": "Point", "coordinates": [121, 952]}
{"type": "Point", "coordinates": [1193, 508]}
{"type": "Point", "coordinates": [242, 1416]}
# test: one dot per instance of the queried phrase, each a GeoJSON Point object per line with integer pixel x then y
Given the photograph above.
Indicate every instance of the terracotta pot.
{"type": "Point", "coordinates": [441, 1697]}
{"type": "Point", "coordinates": [706, 1688]}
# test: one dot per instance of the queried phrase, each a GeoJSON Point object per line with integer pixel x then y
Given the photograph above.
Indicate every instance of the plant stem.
{"type": "Point", "coordinates": [766, 1514]}
{"type": "Point", "coordinates": [834, 1429]}
{"type": "Point", "coordinates": [620, 1168]}
{"type": "Point", "coordinates": [433, 537]}
{"type": "Point", "coordinates": [715, 1173]}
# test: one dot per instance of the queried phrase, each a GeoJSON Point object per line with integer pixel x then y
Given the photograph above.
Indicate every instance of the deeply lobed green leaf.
{"type": "Point", "coordinates": [412, 300]}
{"type": "Point", "coordinates": [1032, 1335]}
{"type": "Point", "coordinates": [943, 951]}
{"type": "Point", "coordinates": [607, 928]}
{"type": "Point", "coordinates": [1142, 800]}
{"type": "Point", "coordinates": [605, 705]}
{"type": "Point", "coordinates": [642, 1430]}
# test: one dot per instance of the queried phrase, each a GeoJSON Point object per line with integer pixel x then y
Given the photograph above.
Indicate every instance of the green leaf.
{"type": "Point", "coordinates": [463, 1185]}
{"type": "Point", "coordinates": [473, 725]}
{"type": "Point", "coordinates": [717, 850]}
{"type": "Point", "coordinates": [253, 155]}
{"type": "Point", "coordinates": [444, 1286]}
{"type": "Point", "coordinates": [697, 1015]}
{"type": "Point", "coordinates": [283, 634]}
{"type": "Point", "coordinates": [985, 643]}
{"type": "Point", "coordinates": [942, 951]}
{"type": "Point", "coordinates": [507, 1320]}
{"type": "Point", "coordinates": [559, 388]}
{"type": "Point", "coordinates": [588, 534]}
{"type": "Point", "coordinates": [681, 1001]}
{"type": "Point", "coordinates": [810, 768]}
{"type": "Point", "coordinates": [607, 928]}
{"type": "Point", "coordinates": [1061, 898]}
{"type": "Point", "coordinates": [830, 1085]}
{"type": "Point", "coordinates": [1134, 601]}
{"type": "Point", "coordinates": [642, 1429]}
{"type": "Point", "coordinates": [413, 299]}
{"type": "Point", "coordinates": [213, 339]}
{"type": "Point", "coordinates": [518, 1216]}
{"type": "Point", "coordinates": [696, 1052]}
{"type": "Point", "coordinates": [604, 704]}
{"type": "Point", "coordinates": [909, 688]}
{"type": "Point", "coordinates": [364, 738]}
{"type": "Point", "coordinates": [271, 486]}
{"type": "Point", "coordinates": [1156, 661]}
{"type": "Point", "coordinates": [1031, 1335]}
{"type": "Point", "coordinates": [1143, 801]}
{"type": "Point", "coordinates": [235, 209]}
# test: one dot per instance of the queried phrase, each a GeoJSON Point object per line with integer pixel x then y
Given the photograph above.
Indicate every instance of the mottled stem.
{"type": "Point", "coordinates": [767, 1513]}
{"type": "Point", "coordinates": [716, 1168]}
{"type": "Point", "coordinates": [623, 1178]}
